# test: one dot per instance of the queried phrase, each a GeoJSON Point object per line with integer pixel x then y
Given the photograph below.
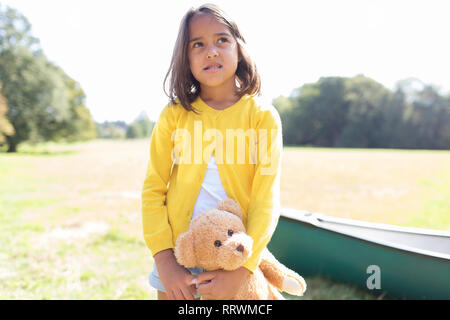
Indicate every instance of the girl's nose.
{"type": "Point", "coordinates": [212, 53]}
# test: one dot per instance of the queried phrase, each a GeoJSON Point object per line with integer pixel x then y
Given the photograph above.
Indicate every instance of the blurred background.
{"type": "Point", "coordinates": [362, 89]}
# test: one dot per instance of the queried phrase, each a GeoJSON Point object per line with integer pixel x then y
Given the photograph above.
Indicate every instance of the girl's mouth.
{"type": "Point", "coordinates": [213, 68]}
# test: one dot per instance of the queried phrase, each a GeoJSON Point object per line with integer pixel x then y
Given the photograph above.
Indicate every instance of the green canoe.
{"type": "Point", "coordinates": [408, 263]}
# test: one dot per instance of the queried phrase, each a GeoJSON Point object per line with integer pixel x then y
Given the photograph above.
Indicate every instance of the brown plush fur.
{"type": "Point", "coordinates": [199, 247]}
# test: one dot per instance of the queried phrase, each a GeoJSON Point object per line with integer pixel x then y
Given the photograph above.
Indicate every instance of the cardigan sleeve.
{"type": "Point", "coordinates": [264, 204]}
{"type": "Point", "coordinates": [155, 221]}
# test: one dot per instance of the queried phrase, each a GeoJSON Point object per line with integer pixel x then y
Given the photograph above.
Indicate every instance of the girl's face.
{"type": "Point", "coordinates": [212, 51]}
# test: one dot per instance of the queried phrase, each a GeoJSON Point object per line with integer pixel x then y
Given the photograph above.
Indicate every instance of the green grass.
{"type": "Point", "coordinates": [47, 149]}
{"type": "Point", "coordinates": [435, 211]}
{"type": "Point", "coordinates": [104, 267]}
{"type": "Point", "coordinates": [39, 151]}
{"type": "Point", "coordinates": [321, 288]}
{"type": "Point", "coordinates": [100, 267]}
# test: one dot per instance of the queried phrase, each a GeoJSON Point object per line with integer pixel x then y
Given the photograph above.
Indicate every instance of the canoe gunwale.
{"type": "Point", "coordinates": [316, 220]}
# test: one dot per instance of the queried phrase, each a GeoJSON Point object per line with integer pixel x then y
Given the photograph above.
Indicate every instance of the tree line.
{"type": "Point", "coordinates": [360, 112]}
{"type": "Point", "coordinates": [141, 127]}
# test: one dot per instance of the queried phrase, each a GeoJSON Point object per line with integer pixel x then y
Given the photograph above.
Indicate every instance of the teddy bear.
{"type": "Point", "coordinates": [216, 239]}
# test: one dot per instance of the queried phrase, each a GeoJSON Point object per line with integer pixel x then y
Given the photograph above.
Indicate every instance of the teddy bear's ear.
{"type": "Point", "coordinates": [231, 206]}
{"type": "Point", "coordinates": [184, 250]}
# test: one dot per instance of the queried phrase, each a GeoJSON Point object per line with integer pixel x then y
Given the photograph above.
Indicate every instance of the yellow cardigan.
{"type": "Point", "coordinates": [247, 141]}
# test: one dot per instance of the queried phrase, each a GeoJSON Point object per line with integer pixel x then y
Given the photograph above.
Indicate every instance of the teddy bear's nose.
{"type": "Point", "coordinates": [240, 248]}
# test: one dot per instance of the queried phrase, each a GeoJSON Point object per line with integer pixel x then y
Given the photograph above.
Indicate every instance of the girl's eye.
{"type": "Point", "coordinates": [223, 39]}
{"type": "Point", "coordinates": [196, 45]}
{"type": "Point", "coordinates": [230, 232]}
{"type": "Point", "coordinates": [217, 243]}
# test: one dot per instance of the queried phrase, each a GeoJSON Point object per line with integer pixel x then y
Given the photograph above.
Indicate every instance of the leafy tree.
{"type": "Point", "coordinates": [43, 102]}
{"type": "Point", "coordinates": [6, 129]}
{"type": "Point", "coordinates": [140, 128]}
{"type": "Point", "coordinates": [15, 31]}
{"type": "Point", "coordinates": [367, 103]}
{"type": "Point", "coordinates": [394, 132]}
{"type": "Point", "coordinates": [79, 124]}
{"type": "Point", "coordinates": [316, 113]}
{"type": "Point", "coordinates": [134, 131]}
{"type": "Point", "coordinates": [111, 130]}
{"type": "Point", "coordinates": [28, 87]}
{"type": "Point", "coordinates": [426, 120]}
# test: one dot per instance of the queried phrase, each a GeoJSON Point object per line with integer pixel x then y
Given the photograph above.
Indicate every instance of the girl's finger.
{"type": "Point", "coordinates": [170, 295]}
{"type": "Point", "coordinates": [205, 277]}
{"type": "Point", "coordinates": [186, 293]}
{"type": "Point", "coordinates": [190, 279]}
{"type": "Point", "coordinates": [193, 289]}
{"type": "Point", "coordinates": [204, 289]}
{"type": "Point", "coordinates": [178, 294]}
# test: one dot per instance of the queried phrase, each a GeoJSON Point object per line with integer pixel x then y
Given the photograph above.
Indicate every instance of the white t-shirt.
{"type": "Point", "coordinates": [212, 190]}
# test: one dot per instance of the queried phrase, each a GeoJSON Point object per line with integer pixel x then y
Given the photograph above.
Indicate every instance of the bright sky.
{"type": "Point", "coordinates": [119, 51]}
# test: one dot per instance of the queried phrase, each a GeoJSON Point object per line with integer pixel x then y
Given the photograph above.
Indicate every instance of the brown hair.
{"type": "Point", "coordinates": [183, 85]}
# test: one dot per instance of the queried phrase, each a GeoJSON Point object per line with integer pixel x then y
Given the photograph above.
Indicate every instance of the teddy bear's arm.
{"type": "Point", "coordinates": [279, 276]}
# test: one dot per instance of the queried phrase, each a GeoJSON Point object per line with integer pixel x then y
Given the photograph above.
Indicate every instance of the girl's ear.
{"type": "Point", "coordinates": [231, 206]}
{"type": "Point", "coordinates": [184, 250]}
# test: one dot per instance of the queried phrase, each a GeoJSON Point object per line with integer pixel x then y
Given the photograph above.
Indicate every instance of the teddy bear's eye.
{"type": "Point", "coordinates": [217, 243]}
{"type": "Point", "coordinates": [230, 232]}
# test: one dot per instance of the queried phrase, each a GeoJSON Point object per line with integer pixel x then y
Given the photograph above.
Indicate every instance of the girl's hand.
{"type": "Point", "coordinates": [176, 279]}
{"type": "Point", "coordinates": [221, 284]}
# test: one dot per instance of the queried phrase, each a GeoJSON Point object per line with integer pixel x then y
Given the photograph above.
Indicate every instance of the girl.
{"type": "Point", "coordinates": [213, 83]}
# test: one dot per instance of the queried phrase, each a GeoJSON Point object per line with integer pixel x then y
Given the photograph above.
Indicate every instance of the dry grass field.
{"type": "Point", "coordinates": [70, 224]}
{"type": "Point", "coordinates": [402, 187]}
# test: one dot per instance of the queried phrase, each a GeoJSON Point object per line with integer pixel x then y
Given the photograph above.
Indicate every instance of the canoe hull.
{"type": "Point", "coordinates": [311, 250]}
